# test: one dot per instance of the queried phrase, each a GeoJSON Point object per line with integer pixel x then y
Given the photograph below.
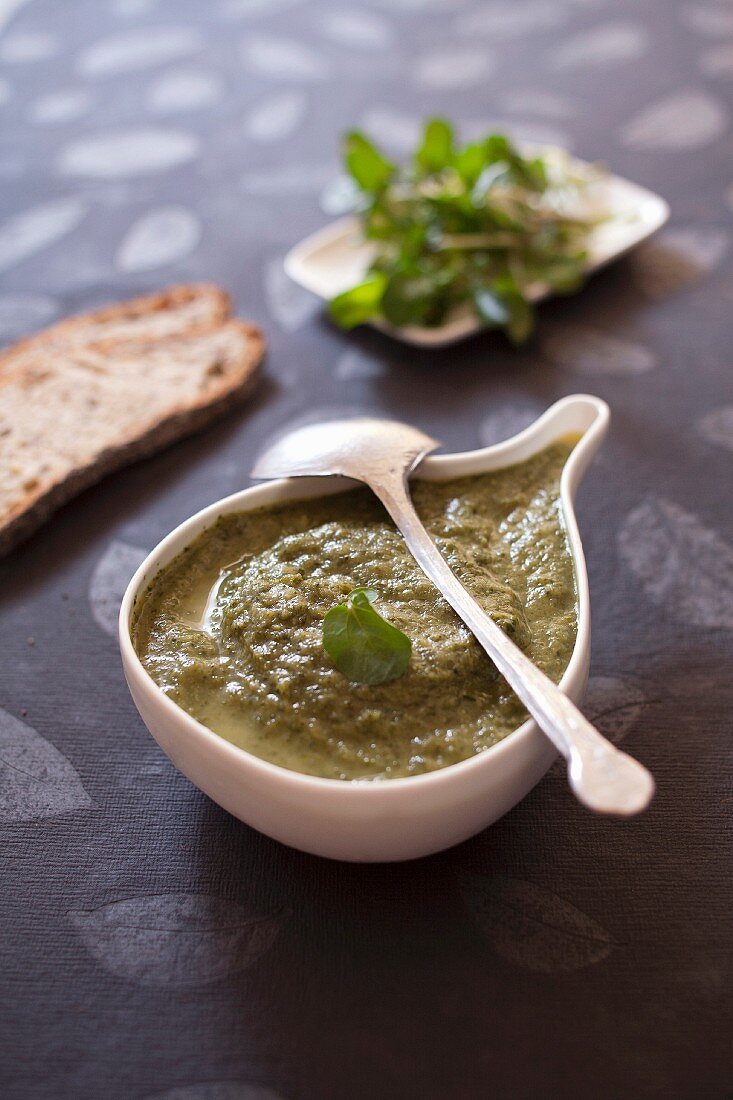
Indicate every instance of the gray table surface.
{"type": "Point", "coordinates": [144, 143]}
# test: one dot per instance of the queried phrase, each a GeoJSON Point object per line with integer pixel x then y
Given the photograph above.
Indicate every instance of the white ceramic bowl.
{"type": "Point", "coordinates": [366, 820]}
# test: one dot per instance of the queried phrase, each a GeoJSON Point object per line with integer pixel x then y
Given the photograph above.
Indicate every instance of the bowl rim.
{"type": "Point", "coordinates": [437, 467]}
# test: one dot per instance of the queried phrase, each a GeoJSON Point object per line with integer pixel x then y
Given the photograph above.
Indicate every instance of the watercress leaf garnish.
{"type": "Point", "coordinates": [363, 646]}
{"type": "Point", "coordinates": [407, 300]}
{"type": "Point", "coordinates": [360, 303]}
{"type": "Point", "coordinates": [365, 163]}
{"type": "Point", "coordinates": [436, 151]}
{"type": "Point", "coordinates": [478, 226]}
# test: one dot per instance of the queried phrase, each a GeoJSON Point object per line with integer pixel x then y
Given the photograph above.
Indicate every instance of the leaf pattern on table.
{"type": "Point", "coordinates": [9, 8]}
{"type": "Point", "coordinates": [176, 940]}
{"type": "Point", "coordinates": [290, 179]}
{"type": "Point", "coordinates": [135, 50]}
{"type": "Point", "coordinates": [677, 258]}
{"type": "Point", "coordinates": [61, 105]}
{"type": "Point", "coordinates": [683, 565]}
{"type": "Point", "coordinates": [183, 90]}
{"type": "Point", "coordinates": [530, 130]}
{"type": "Point", "coordinates": [588, 351]}
{"type": "Point", "coordinates": [289, 305]}
{"type": "Point", "coordinates": [503, 19]}
{"type": "Point", "coordinates": [395, 130]}
{"type": "Point", "coordinates": [285, 58]}
{"type": "Point", "coordinates": [532, 927]}
{"type": "Point", "coordinates": [110, 578]}
{"type": "Point", "coordinates": [359, 29]}
{"type": "Point", "coordinates": [683, 120]}
{"type": "Point", "coordinates": [21, 314]}
{"type": "Point", "coordinates": [339, 196]}
{"type": "Point", "coordinates": [36, 781]}
{"type": "Point", "coordinates": [35, 229]}
{"type": "Point", "coordinates": [245, 9]}
{"type": "Point", "coordinates": [24, 48]}
{"type": "Point", "coordinates": [717, 61]}
{"type": "Point", "coordinates": [158, 238]}
{"type": "Point", "coordinates": [119, 154]}
{"type": "Point", "coordinates": [277, 117]}
{"type": "Point", "coordinates": [601, 47]}
{"type": "Point", "coordinates": [218, 1090]}
{"type": "Point", "coordinates": [713, 22]}
{"type": "Point", "coordinates": [614, 705]}
{"type": "Point", "coordinates": [453, 68]}
{"type": "Point", "coordinates": [717, 426]}
{"type": "Point", "coordinates": [357, 365]}
{"type": "Point", "coordinates": [506, 420]}
{"type": "Point", "coordinates": [539, 102]}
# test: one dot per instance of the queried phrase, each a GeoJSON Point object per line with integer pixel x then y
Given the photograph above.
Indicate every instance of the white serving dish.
{"type": "Point", "coordinates": [336, 257]}
{"type": "Point", "coordinates": [365, 820]}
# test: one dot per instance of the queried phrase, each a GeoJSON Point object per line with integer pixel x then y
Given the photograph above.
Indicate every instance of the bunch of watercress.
{"type": "Point", "coordinates": [463, 227]}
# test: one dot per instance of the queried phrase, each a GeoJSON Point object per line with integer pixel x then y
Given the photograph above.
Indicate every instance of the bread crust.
{"type": "Point", "coordinates": [227, 381]}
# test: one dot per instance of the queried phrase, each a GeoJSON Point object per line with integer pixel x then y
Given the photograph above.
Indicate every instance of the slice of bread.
{"type": "Point", "coordinates": [100, 390]}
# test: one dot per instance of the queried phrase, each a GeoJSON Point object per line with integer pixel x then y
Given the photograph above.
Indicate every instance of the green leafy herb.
{"type": "Point", "coordinates": [476, 227]}
{"type": "Point", "coordinates": [362, 645]}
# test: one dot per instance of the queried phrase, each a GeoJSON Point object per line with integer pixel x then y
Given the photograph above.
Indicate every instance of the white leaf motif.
{"type": "Point", "coordinates": [36, 781]}
{"type": "Point", "coordinates": [717, 427]}
{"type": "Point", "coordinates": [288, 304]}
{"type": "Point", "coordinates": [708, 20]}
{"type": "Point", "coordinates": [159, 238]}
{"type": "Point", "coordinates": [682, 564]}
{"type": "Point", "coordinates": [109, 581]}
{"type": "Point", "coordinates": [284, 58]}
{"type": "Point", "coordinates": [538, 102]}
{"type": "Point", "coordinates": [246, 9]}
{"type": "Point", "coordinates": [277, 117]}
{"type": "Point", "coordinates": [62, 105]}
{"type": "Point", "coordinates": [614, 706]}
{"type": "Point", "coordinates": [21, 314]}
{"type": "Point", "coordinates": [8, 8]}
{"type": "Point", "coordinates": [361, 29]}
{"type": "Point", "coordinates": [291, 179]}
{"type": "Point", "coordinates": [678, 258]}
{"type": "Point", "coordinates": [122, 153]}
{"type": "Point", "coordinates": [607, 45]}
{"type": "Point", "coordinates": [687, 119]}
{"type": "Point", "coordinates": [539, 133]}
{"type": "Point", "coordinates": [339, 196]}
{"type": "Point", "coordinates": [453, 68]}
{"type": "Point", "coordinates": [393, 129]}
{"type": "Point", "coordinates": [506, 421]}
{"type": "Point", "coordinates": [175, 940]}
{"type": "Point", "coordinates": [718, 61]}
{"type": "Point", "coordinates": [357, 365]}
{"type": "Point", "coordinates": [126, 53]}
{"type": "Point", "coordinates": [183, 90]}
{"type": "Point", "coordinates": [21, 48]}
{"type": "Point", "coordinates": [531, 927]}
{"type": "Point", "coordinates": [27, 233]}
{"type": "Point", "coordinates": [503, 19]}
{"type": "Point", "coordinates": [588, 351]}
{"type": "Point", "coordinates": [218, 1090]}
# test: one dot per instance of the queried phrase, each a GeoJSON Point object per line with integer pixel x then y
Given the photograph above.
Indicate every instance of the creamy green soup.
{"type": "Point", "coordinates": [232, 628]}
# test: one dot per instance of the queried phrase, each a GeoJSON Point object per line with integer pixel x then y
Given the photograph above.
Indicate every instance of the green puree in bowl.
{"type": "Point", "coordinates": [232, 628]}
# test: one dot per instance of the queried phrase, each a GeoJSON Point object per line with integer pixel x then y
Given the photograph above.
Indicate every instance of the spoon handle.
{"type": "Point", "coordinates": [603, 778]}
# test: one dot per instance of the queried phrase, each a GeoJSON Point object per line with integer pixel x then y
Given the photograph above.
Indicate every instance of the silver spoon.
{"type": "Point", "coordinates": [382, 454]}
